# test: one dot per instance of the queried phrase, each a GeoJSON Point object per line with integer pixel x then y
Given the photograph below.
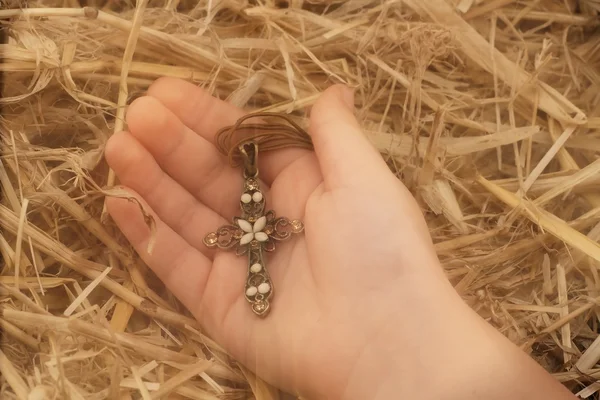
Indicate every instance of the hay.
{"type": "Point", "coordinates": [488, 111]}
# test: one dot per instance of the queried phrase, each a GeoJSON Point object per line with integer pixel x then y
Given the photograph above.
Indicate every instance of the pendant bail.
{"type": "Point", "coordinates": [249, 151]}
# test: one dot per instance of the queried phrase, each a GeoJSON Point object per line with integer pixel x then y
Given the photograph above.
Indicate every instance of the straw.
{"type": "Point", "coordinates": [487, 111]}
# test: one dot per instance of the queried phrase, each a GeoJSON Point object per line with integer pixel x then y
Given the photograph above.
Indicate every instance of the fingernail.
{"type": "Point", "coordinates": [348, 97]}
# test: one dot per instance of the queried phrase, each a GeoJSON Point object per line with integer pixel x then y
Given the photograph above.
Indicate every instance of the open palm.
{"type": "Point", "coordinates": [365, 248]}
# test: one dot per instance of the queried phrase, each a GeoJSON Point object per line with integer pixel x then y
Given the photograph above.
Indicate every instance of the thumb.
{"type": "Point", "coordinates": [345, 155]}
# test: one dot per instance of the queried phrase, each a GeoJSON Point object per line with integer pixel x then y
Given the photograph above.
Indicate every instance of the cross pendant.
{"type": "Point", "coordinates": [254, 233]}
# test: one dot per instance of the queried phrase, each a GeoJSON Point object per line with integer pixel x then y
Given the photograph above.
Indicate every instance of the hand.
{"type": "Point", "coordinates": [361, 306]}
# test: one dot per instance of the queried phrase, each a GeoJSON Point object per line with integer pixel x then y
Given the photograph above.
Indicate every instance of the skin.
{"type": "Point", "coordinates": [362, 308]}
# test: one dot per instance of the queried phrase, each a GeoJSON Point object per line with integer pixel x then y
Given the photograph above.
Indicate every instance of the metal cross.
{"type": "Point", "coordinates": [254, 232]}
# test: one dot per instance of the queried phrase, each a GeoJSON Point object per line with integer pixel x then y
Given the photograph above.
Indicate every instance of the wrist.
{"type": "Point", "coordinates": [448, 352]}
{"type": "Point", "coordinates": [411, 351]}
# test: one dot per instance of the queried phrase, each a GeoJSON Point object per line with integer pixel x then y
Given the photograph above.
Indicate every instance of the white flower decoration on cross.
{"type": "Point", "coordinates": [253, 231]}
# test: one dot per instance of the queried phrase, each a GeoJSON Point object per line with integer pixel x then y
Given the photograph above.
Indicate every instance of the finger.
{"type": "Point", "coordinates": [182, 269]}
{"type": "Point", "coordinates": [188, 158]}
{"type": "Point", "coordinates": [137, 169]}
{"type": "Point", "coordinates": [346, 156]}
{"type": "Point", "coordinates": [206, 114]}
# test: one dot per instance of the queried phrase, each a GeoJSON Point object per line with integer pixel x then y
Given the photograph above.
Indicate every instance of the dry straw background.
{"type": "Point", "coordinates": [488, 110]}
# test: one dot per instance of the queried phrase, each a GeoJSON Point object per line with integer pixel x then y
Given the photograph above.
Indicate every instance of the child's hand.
{"type": "Point", "coordinates": [361, 307]}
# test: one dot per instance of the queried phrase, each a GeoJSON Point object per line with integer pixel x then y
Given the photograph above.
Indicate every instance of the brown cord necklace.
{"type": "Point", "coordinates": [256, 231]}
